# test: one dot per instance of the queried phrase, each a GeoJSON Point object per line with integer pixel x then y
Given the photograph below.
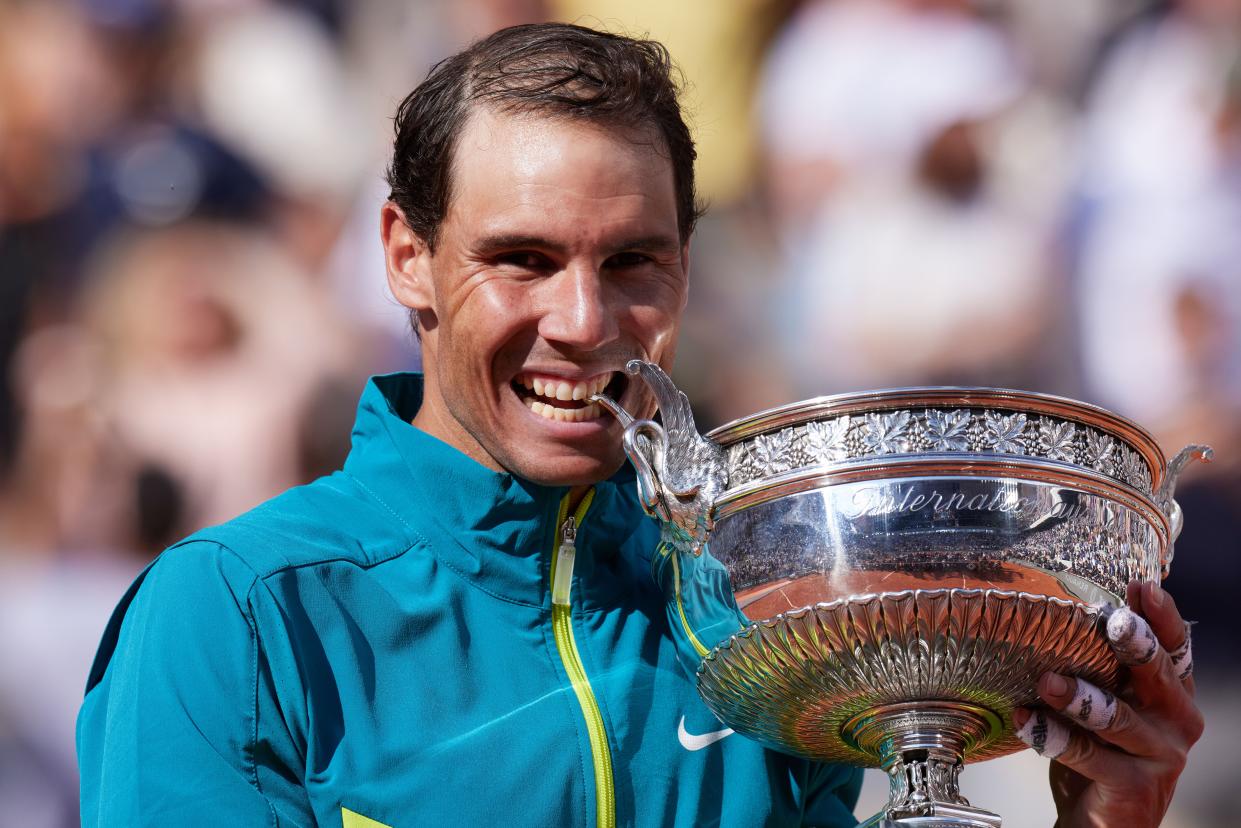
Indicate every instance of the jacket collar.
{"type": "Point", "coordinates": [494, 529]}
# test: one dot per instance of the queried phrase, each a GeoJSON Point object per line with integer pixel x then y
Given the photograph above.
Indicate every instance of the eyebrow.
{"type": "Point", "coordinates": [514, 241]}
{"type": "Point", "coordinates": [655, 243]}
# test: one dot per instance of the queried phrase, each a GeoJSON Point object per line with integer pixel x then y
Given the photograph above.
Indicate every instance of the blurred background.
{"type": "Point", "coordinates": [1044, 194]}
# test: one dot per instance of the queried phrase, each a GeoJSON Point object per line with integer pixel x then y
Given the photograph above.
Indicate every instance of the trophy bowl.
{"type": "Point", "coordinates": [881, 578]}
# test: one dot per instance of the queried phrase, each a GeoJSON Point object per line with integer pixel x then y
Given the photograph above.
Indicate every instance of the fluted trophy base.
{"type": "Point", "coordinates": [917, 682]}
{"type": "Point", "coordinates": [922, 746]}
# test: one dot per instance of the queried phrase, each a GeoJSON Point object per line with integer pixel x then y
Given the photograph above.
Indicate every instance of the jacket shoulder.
{"type": "Point", "coordinates": [200, 575]}
{"type": "Point", "coordinates": [332, 519]}
{"type": "Point", "coordinates": [335, 518]}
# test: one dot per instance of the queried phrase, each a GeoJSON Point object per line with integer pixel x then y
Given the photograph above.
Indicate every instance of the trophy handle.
{"type": "Point", "coordinates": [1164, 497]}
{"type": "Point", "coordinates": [646, 443]}
{"type": "Point", "coordinates": [680, 472]}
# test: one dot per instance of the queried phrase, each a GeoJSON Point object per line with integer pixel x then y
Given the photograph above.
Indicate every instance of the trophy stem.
{"type": "Point", "coordinates": [922, 746]}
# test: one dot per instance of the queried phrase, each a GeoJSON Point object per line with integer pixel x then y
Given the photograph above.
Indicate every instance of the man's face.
{"type": "Point", "coordinates": [559, 260]}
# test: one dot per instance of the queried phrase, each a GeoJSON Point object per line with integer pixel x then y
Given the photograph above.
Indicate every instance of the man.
{"type": "Point", "coordinates": [461, 626]}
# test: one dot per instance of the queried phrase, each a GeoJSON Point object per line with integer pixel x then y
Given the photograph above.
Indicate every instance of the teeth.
{"type": "Point", "coordinates": [563, 389]}
{"type": "Point", "coordinates": [565, 415]}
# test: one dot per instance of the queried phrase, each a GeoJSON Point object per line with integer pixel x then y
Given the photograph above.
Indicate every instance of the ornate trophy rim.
{"type": "Point", "coordinates": [979, 398]}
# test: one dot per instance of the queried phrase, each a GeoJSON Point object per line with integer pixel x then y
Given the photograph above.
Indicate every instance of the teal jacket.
{"type": "Point", "coordinates": [382, 647]}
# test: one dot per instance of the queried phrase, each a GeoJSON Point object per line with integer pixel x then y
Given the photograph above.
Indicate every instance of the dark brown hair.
{"type": "Point", "coordinates": [556, 69]}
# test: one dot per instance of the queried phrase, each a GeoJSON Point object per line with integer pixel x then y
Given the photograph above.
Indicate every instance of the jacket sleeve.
{"type": "Point", "coordinates": [831, 796]}
{"type": "Point", "coordinates": [168, 733]}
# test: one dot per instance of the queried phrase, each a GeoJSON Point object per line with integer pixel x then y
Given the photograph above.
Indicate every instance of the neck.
{"type": "Point", "coordinates": [434, 418]}
{"type": "Point", "coordinates": [575, 497]}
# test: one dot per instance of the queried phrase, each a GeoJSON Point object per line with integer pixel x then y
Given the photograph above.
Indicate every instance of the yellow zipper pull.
{"type": "Point", "coordinates": [562, 585]}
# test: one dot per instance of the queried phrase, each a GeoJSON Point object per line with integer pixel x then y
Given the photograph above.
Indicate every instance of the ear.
{"type": "Point", "coordinates": [408, 260]}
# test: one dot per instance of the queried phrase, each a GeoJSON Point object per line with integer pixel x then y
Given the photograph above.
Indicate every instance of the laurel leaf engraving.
{"type": "Point", "coordinates": [1100, 451]}
{"type": "Point", "coordinates": [1055, 439]}
{"type": "Point", "coordinates": [772, 451]}
{"type": "Point", "coordinates": [887, 433]}
{"type": "Point", "coordinates": [948, 430]}
{"type": "Point", "coordinates": [826, 439]}
{"type": "Point", "coordinates": [1005, 434]}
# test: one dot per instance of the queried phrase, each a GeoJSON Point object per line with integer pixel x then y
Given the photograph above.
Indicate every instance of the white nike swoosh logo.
{"type": "Point", "coordinates": [692, 741]}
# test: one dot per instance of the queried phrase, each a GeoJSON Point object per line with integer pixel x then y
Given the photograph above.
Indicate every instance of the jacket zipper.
{"type": "Point", "coordinates": [563, 556]}
{"type": "Point", "coordinates": [676, 579]}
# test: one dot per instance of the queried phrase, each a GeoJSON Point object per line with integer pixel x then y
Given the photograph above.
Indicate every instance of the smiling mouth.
{"type": "Point", "coordinates": [565, 400]}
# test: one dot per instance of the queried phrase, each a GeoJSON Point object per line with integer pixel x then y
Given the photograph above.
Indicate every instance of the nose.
{"type": "Point", "coordinates": [577, 312]}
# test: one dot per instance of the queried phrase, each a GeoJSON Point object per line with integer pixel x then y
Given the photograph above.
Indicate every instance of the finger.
{"type": "Point", "coordinates": [1047, 735]}
{"type": "Point", "coordinates": [1100, 712]}
{"type": "Point", "coordinates": [1153, 681]}
{"type": "Point", "coordinates": [1072, 747]}
{"type": "Point", "coordinates": [1160, 610]}
{"type": "Point", "coordinates": [1132, 639]}
{"type": "Point", "coordinates": [1183, 660]}
{"type": "Point", "coordinates": [1079, 701]}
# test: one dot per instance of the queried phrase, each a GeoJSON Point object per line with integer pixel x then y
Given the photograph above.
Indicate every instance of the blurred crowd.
{"type": "Point", "coordinates": [1042, 194]}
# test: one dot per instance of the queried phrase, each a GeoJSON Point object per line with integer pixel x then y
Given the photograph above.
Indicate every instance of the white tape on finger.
{"type": "Point", "coordinates": [1045, 734]}
{"type": "Point", "coordinates": [1183, 658]}
{"type": "Point", "coordinates": [1132, 638]}
{"type": "Point", "coordinates": [1092, 708]}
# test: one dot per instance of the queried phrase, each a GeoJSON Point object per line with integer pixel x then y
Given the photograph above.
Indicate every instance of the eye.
{"type": "Point", "coordinates": [525, 259]}
{"type": "Point", "coordinates": [628, 259]}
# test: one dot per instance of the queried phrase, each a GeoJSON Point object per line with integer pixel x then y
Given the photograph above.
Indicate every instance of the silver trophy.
{"type": "Point", "coordinates": [880, 578]}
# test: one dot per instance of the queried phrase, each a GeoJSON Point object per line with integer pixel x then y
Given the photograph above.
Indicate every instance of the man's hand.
{"type": "Point", "coordinates": [1117, 758]}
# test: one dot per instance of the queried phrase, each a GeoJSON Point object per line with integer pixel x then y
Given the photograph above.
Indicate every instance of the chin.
{"type": "Point", "coordinates": [582, 470]}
